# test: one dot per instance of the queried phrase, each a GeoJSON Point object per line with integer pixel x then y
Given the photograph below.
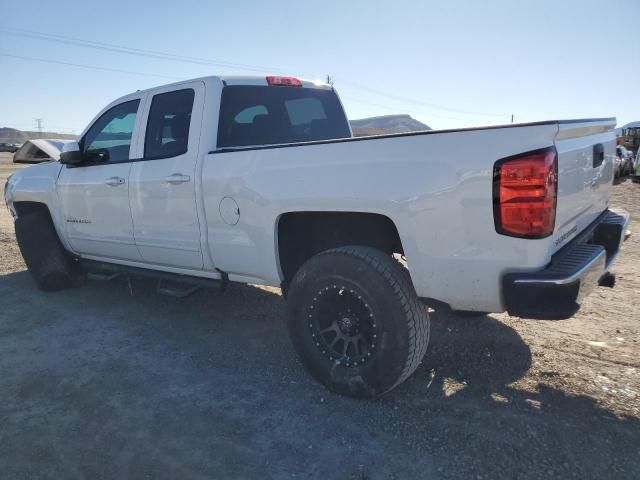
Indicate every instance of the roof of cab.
{"type": "Point", "coordinates": [262, 81]}
{"type": "Point", "coordinates": [257, 80]}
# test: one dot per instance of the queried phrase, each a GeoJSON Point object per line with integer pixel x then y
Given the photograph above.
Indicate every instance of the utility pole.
{"type": "Point", "coordinates": [39, 124]}
{"type": "Point", "coordinates": [512, 118]}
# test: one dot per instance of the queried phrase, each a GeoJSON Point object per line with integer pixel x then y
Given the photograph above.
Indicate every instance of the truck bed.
{"type": "Point", "coordinates": [436, 186]}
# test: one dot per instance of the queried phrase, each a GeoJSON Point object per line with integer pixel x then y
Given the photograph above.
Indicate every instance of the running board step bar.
{"type": "Point", "coordinates": [176, 289]}
{"type": "Point", "coordinates": [103, 277]}
{"type": "Point", "coordinates": [171, 284]}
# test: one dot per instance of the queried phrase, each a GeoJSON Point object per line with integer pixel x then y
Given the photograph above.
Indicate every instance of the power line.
{"type": "Point", "coordinates": [413, 101]}
{"type": "Point", "coordinates": [417, 112]}
{"type": "Point", "coordinates": [219, 63]}
{"type": "Point", "coordinates": [94, 67]}
{"type": "Point", "coordinates": [91, 67]}
{"type": "Point", "coordinates": [135, 51]}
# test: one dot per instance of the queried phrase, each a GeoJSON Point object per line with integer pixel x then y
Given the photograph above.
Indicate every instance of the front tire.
{"type": "Point", "coordinates": [46, 258]}
{"type": "Point", "coordinates": [356, 321]}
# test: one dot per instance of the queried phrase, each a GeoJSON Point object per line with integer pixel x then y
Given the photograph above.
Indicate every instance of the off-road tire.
{"type": "Point", "coordinates": [400, 319]}
{"type": "Point", "coordinates": [46, 259]}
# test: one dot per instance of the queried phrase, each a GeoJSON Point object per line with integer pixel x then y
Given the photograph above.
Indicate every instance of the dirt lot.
{"type": "Point", "coordinates": [104, 382]}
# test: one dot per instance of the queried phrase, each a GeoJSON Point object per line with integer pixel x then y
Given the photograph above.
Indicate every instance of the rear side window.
{"type": "Point", "coordinates": [168, 126]}
{"type": "Point", "coordinates": [268, 115]}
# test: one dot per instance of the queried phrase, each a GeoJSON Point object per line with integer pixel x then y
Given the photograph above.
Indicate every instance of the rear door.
{"type": "Point", "coordinates": [163, 181]}
{"type": "Point", "coordinates": [586, 154]}
{"type": "Point", "coordinates": [94, 195]}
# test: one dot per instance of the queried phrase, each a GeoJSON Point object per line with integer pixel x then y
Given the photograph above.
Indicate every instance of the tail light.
{"type": "Point", "coordinates": [284, 81]}
{"type": "Point", "coordinates": [524, 194]}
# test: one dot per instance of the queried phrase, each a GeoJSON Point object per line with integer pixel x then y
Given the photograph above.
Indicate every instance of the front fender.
{"type": "Point", "coordinates": [37, 184]}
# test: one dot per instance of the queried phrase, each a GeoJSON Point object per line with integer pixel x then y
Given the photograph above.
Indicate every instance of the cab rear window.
{"type": "Point", "coordinates": [269, 115]}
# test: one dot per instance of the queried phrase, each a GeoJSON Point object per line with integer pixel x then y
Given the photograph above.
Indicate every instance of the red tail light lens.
{"type": "Point", "coordinates": [284, 81]}
{"type": "Point", "coordinates": [524, 194]}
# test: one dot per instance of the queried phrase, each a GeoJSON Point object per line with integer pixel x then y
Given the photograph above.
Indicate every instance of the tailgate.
{"type": "Point", "coordinates": [586, 150]}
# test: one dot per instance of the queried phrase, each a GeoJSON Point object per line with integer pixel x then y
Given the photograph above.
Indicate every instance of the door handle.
{"type": "Point", "coordinates": [114, 181]}
{"type": "Point", "coordinates": [178, 178]}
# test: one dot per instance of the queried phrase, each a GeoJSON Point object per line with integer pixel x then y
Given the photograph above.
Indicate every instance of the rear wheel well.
{"type": "Point", "coordinates": [301, 235]}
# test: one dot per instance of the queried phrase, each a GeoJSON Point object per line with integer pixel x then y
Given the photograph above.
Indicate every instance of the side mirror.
{"type": "Point", "coordinates": [71, 154]}
{"type": "Point", "coordinates": [98, 155]}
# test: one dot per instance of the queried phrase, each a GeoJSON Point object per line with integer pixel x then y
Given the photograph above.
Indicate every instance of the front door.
{"type": "Point", "coordinates": [163, 183]}
{"type": "Point", "coordinates": [94, 195]}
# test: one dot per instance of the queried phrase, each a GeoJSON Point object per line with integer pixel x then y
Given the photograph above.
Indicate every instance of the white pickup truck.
{"type": "Point", "coordinates": [258, 180]}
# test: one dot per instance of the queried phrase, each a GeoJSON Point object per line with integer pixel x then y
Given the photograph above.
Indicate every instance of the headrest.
{"type": "Point", "coordinates": [180, 126]}
{"type": "Point", "coordinates": [262, 120]}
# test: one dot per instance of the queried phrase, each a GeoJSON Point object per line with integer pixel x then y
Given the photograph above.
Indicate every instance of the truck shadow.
{"type": "Point", "coordinates": [471, 401]}
{"type": "Point", "coordinates": [219, 370]}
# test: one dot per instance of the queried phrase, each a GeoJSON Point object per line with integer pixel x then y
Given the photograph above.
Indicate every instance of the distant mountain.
{"type": "Point", "coordinates": [13, 135]}
{"type": "Point", "coordinates": [386, 124]}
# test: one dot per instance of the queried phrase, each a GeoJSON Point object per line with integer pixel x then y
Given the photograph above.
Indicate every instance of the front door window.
{"type": "Point", "coordinates": [113, 131]}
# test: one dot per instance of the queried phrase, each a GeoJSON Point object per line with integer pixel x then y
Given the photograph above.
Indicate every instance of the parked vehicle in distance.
{"type": "Point", "coordinates": [8, 147]}
{"type": "Point", "coordinates": [626, 163]}
{"type": "Point", "coordinates": [618, 164]}
{"type": "Point", "coordinates": [630, 137]}
{"type": "Point", "coordinates": [40, 150]}
{"type": "Point", "coordinates": [636, 168]}
{"type": "Point", "coordinates": [258, 180]}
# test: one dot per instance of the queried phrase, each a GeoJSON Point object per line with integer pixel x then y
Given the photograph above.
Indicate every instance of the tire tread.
{"type": "Point", "coordinates": [399, 279]}
{"type": "Point", "coordinates": [42, 251]}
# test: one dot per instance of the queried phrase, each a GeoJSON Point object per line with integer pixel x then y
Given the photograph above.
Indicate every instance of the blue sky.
{"type": "Point", "coordinates": [447, 63]}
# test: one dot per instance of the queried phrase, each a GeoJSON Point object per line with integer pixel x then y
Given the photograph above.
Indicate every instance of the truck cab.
{"type": "Point", "coordinates": [140, 156]}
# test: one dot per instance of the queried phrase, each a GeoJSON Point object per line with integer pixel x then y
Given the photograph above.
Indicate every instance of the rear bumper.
{"type": "Point", "coordinates": [557, 291]}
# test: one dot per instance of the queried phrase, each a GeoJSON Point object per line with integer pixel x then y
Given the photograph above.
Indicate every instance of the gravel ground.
{"type": "Point", "coordinates": [107, 381]}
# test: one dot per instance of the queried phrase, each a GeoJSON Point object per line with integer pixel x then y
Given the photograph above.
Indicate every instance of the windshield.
{"type": "Point", "coordinates": [267, 115]}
